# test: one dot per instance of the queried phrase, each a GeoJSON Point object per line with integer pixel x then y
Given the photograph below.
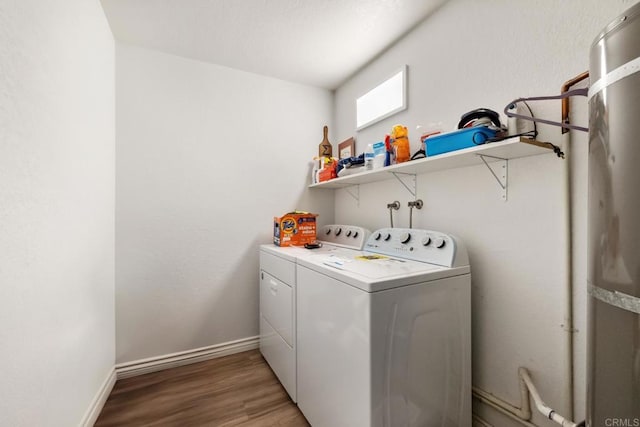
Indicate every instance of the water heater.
{"type": "Point", "coordinates": [613, 377]}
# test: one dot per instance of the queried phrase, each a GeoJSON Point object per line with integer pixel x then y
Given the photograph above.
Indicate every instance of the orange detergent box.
{"type": "Point", "coordinates": [294, 229]}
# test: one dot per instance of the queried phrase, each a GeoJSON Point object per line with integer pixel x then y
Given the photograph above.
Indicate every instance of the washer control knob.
{"type": "Point", "coordinates": [355, 234]}
{"type": "Point", "coordinates": [338, 231]}
{"type": "Point", "coordinates": [349, 233]}
{"type": "Point", "coordinates": [377, 236]}
{"type": "Point", "coordinates": [327, 231]}
{"type": "Point", "coordinates": [405, 237]}
{"type": "Point", "coordinates": [387, 236]}
{"type": "Point", "coordinates": [439, 242]}
{"type": "Point", "coordinates": [426, 241]}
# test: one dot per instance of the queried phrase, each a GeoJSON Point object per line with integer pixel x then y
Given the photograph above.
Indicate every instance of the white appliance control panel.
{"type": "Point", "coordinates": [428, 246]}
{"type": "Point", "coordinates": [348, 236]}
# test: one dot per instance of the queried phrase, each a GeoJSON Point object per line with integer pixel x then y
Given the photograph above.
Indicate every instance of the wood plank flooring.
{"type": "Point", "coordinates": [236, 390]}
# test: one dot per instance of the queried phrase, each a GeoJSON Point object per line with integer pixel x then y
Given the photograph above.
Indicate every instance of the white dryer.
{"type": "Point", "coordinates": [278, 296]}
{"type": "Point", "coordinates": [384, 334]}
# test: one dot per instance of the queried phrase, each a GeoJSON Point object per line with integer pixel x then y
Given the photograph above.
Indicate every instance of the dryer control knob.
{"type": "Point", "coordinates": [338, 231]}
{"type": "Point", "coordinates": [327, 231]}
{"type": "Point", "coordinates": [439, 242]}
{"type": "Point", "coordinates": [377, 236]}
{"type": "Point", "coordinates": [426, 241]}
{"type": "Point", "coordinates": [355, 234]}
{"type": "Point", "coordinates": [387, 236]}
{"type": "Point", "coordinates": [405, 237]}
{"type": "Point", "coordinates": [348, 233]}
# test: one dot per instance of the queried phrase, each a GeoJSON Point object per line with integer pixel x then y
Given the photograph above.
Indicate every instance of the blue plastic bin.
{"type": "Point", "coordinates": [457, 140]}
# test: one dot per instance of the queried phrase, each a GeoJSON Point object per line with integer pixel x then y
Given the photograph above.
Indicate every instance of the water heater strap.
{"type": "Point", "coordinates": [508, 110]}
{"type": "Point", "coordinates": [615, 298]}
{"type": "Point", "coordinates": [613, 76]}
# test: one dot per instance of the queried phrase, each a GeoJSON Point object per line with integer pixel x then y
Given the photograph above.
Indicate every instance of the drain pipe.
{"type": "Point", "coordinates": [568, 321]}
{"type": "Point", "coordinates": [540, 405]}
{"type": "Point", "coordinates": [523, 414]}
{"type": "Point", "coordinates": [568, 311]}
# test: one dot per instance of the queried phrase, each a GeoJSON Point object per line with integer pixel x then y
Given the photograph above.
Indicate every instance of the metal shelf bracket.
{"type": "Point", "coordinates": [411, 186]}
{"type": "Point", "coordinates": [354, 193]}
{"type": "Point", "coordinates": [501, 173]}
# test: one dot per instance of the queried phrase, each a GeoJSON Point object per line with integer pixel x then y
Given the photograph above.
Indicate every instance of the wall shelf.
{"type": "Point", "coordinates": [511, 148]}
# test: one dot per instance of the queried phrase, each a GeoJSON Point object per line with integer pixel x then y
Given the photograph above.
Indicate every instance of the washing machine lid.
{"type": "Point", "coordinates": [332, 237]}
{"type": "Point", "coordinates": [294, 253]}
{"type": "Point", "coordinates": [373, 272]}
{"type": "Point", "coordinates": [290, 253]}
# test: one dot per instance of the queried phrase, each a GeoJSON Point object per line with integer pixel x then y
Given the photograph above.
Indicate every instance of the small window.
{"type": "Point", "coordinates": [384, 100]}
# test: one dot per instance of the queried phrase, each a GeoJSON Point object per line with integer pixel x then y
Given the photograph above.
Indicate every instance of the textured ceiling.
{"type": "Point", "coordinates": [315, 42]}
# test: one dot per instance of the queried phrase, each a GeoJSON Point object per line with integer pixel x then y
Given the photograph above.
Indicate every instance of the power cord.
{"type": "Point", "coordinates": [555, 149]}
{"type": "Point", "coordinates": [531, 135]}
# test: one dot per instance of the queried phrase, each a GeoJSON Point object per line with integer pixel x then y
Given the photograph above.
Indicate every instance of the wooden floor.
{"type": "Point", "coordinates": [236, 390]}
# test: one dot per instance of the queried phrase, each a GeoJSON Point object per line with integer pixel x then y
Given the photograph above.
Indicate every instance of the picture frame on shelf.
{"type": "Point", "coordinates": [347, 148]}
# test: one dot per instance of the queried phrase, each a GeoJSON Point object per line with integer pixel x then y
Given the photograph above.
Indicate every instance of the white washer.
{"type": "Point", "coordinates": [384, 334]}
{"type": "Point", "coordinates": [278, 296]}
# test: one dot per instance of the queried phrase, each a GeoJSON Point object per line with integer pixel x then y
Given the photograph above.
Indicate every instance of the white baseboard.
{"type": "Point", "coordinates": [167, 361]}
{"type": "Point", "coordinates": [99, 400]}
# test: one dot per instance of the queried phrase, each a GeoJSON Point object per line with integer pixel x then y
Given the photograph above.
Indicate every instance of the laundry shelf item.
{"type": "Point", "coordinates": [511, 148]}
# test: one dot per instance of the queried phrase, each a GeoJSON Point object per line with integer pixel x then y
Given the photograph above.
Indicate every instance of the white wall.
{"type": "Point", "coordinates": [57, 141]}
{"type": "Point", "coordinates": [485, 54]}
{"type": "Point", "coordinates": [206, 156]}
